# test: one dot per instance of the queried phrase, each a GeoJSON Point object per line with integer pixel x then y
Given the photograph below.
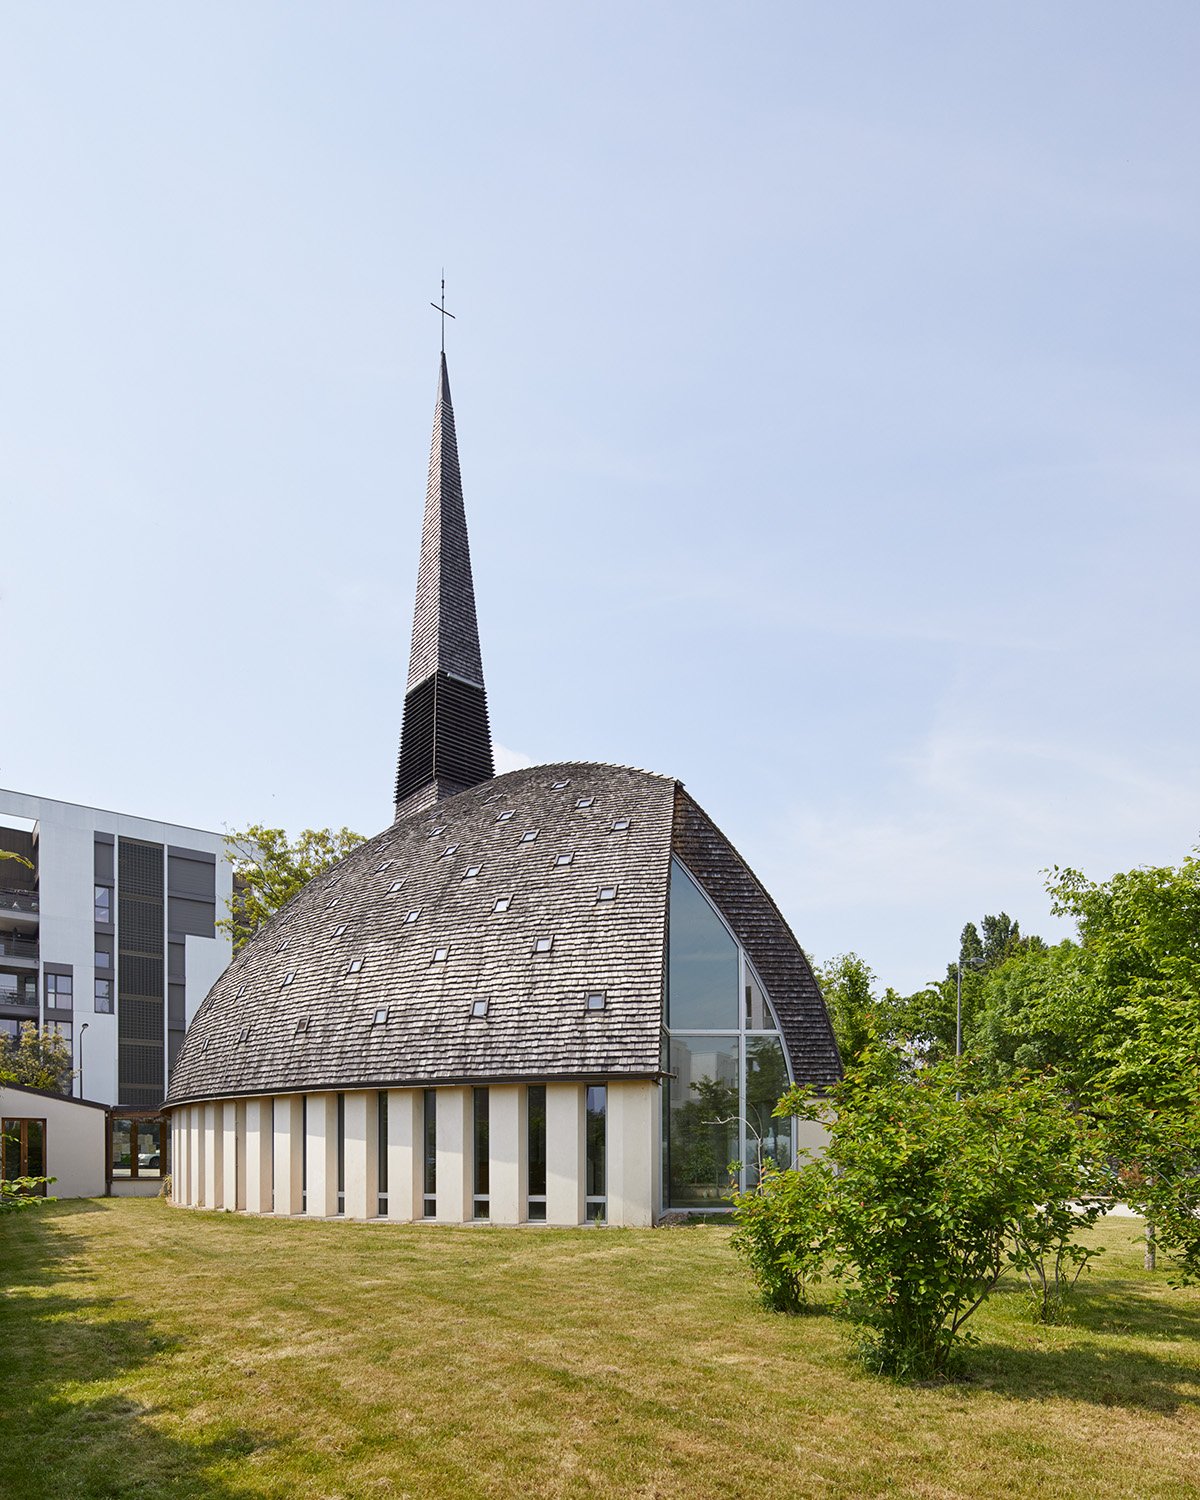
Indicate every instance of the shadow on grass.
{"type": "Point", "coordinates": [65, 1431]}
{"type": "Point", "coordinates": [1111, 1377]}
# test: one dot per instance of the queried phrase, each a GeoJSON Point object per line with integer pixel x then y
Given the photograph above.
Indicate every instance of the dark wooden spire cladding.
{"type": "Point", "coordinates": [445, 742]}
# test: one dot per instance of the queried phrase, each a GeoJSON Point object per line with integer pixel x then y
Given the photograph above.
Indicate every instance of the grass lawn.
{"type": "Point", "coordinates": [150, 1351]}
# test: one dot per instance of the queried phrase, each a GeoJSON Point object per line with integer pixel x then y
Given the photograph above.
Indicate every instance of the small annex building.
{"type": "Point", "coordinates": [45, 1134]}
{"type": "Point", "coordinates": [555, 996]}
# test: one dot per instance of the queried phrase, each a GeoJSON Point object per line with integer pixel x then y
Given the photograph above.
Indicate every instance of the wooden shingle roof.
{"type": "Point", "coordinates": [299, 1008]}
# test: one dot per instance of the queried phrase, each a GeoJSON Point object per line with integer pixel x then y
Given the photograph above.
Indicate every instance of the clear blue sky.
{"type": "Point", "coordinates": [826, 382]}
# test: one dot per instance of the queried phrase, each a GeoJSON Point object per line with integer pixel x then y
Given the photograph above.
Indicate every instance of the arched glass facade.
{"type": "Point", "coordinates": [726, 1059]}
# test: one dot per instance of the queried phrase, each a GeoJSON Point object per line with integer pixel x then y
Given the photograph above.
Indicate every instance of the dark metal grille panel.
{"type": "Point", "coordinates": [445, 737]}
{"type": "Point", "coordinates": [140, 975]}
{"type": "Point", "coordinates": [141, 923]}
{"type": "Point", "coordinates": [141, 1020]}
{"type": "Point", "coordinates": [141, 949]}
{"type": "Point", "coordinates": [141, 1066]}
{"type": "Point", "coordinates": [141, 871]}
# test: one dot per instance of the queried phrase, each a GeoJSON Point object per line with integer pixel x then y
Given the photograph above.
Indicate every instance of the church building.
{"type": "Point", "coordinates": [556, 996]}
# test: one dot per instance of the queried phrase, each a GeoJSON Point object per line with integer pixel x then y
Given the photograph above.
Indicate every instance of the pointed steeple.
{"type": "Point", "coordinates": [445, 743]}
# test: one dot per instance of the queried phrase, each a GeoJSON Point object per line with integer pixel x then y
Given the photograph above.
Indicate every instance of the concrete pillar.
{"type": "Point", "coordinates": [177, 1157]}
{"type": "Point", "coordinates": [406, 1154]}
{"type": "Point", "coordinates": [196, 1132]}
{"type": "Point", "coordinates": [259, 1156]}
{"type": "Point", "coordinates": [214, 1157]}
{"type": "Point", "coordinates": [455, 1117]}
{"type": "Point", "coordinates": [322, 1156]}
{"type": "Point", "coordinates": [362, 1155]}
{"type": "Point", "coordinates": [508, 1168]}
{"type": "Point", "coordinates": [566, 1142]}
{"type": "Point", "coordinates": [631, 1149]}
{"type": "Point", "coordinates": [231, 1187]}
{"type": "Point", "coordinates": [289, 1161]}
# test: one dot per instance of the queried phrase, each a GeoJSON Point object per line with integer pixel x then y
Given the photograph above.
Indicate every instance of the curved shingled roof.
{"type": "Point", "coordinates": [353, 947]}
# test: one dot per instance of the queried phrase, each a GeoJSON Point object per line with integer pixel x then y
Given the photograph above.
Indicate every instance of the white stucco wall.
{"type": "Point", "coordinates": [76, 1138]}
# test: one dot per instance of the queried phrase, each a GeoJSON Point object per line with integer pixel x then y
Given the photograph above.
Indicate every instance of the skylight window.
{"type": "Point", "coordinates": [471, 872]}
{"type": "Point", "coordinates": [584, 801]}
{"type": "Point", "coordinates": [240, 991]}
{"type": "Point", "coordinates": [436, 833]}
{"type": "Point", "coordinates": [355, 965]}
{"type": "Point", "coordinates": [449, 849]}
{"type": "Point", "coordinates": [395, 886]}
{"type": "Point", "coordinates": [338, 930]}
{"type": "Point", "coordinates": [543, 944]}
{"type": "Point", "coordinates": [620, 825]}
{"type": "Point", "coordinates": [502, 903]}
{"type": "Point", "coordinates": [381, 1016]}
{"type": "Point", "coordinates": [607, 893]}
{"type": "Point", "coordinates": [529, 835]}
{"type": "Point", "coordinates": [413, 915]}
{"type": "Point", "coordinates": [479, 1007]}
{"type": "Point", "coordinates": [244, 1034]}
{"type": "Point", "coordinates": [563, 859]}
{"type": "Point", "coordinates": [302, 1026]}
{"type": "Point", "coordinates": [333, 903]}
{"type": "Point", "coordinates": [287, 979]}
{"type": "Point", "coordinates": [283, 945]}
{"type": "Point", "coordinates": [440, 955]}
{"type": "Point", "coordinates": [386, 865]}
{"type": "Point", "coordinates": [504, 817]}
{"type": "Point", "coordinates": [595, 1002]}
{"type": "Point", "coordinates": [558, 786]}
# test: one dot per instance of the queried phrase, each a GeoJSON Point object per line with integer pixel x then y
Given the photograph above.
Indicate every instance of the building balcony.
{"type": "Point", "coordinates": [19, 1000]}
{"type": "Point", "coordinates": [25, 902]}
{"type": "Point", "coordinates": [13, 946]}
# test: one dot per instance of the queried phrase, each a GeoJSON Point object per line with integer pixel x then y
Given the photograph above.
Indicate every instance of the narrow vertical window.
{"type": "Point", "coordinates": [482, 1204]}
{"type": "Point", "coordinates": [381, 1208]}
{"type": "Point", "coordinates": [597, 1122]}
{"type": "Point", "coordinates": [536, 1109]}
{"type": "Point", "coordinates": [304, 1153]}
{"type": "Point", "coordinates": [341, 1153]}
{"type": "Point", "coordinates": [430, 1135]}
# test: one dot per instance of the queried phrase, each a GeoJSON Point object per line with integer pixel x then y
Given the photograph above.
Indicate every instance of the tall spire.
{"type": "Point", "coordinates": [445, 744]}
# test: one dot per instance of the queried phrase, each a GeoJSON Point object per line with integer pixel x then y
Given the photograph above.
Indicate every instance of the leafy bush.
{"type": "Point", "coordinates": [22, 1192]}
{"type": "Point", "coordinates": [782, 1234]}
{"type": "Point", "coordinates": [929, 1189]}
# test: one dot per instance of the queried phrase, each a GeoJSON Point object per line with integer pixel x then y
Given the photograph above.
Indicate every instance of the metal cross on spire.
{"type": "Point", "coordinates": [442, 310]}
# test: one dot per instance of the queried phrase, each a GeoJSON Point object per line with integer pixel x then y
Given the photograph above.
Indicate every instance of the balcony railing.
{"type": "Point", "coordinates": [25, 998]}
{"type": "Point", "coordinates": [18, 947]}
{"type": "Point", "coordinates": [18, 901]}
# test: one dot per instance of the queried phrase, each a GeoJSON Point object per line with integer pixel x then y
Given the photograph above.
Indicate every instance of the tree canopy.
{"type": "Point", "coordinates": [269, 869]}
{"type": "Point", "coordinates": [37, 1059]}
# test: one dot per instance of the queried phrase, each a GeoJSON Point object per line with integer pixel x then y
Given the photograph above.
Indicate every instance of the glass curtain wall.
{"type": "Point", "coordinates": [725, 1056]}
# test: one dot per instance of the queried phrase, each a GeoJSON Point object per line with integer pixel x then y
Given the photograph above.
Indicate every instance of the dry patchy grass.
{"type": "Point", "coordinates": [156, 1352]}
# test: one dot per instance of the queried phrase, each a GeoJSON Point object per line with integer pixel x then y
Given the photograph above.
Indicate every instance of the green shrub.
{"type": "Point", "coordinates": [782, 1234]}
{"type": "Point", "coordinates": [930, 1188]}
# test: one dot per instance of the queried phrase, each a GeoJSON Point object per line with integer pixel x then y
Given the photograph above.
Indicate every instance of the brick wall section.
{"type": "Point", "coordinates": [766, 937]}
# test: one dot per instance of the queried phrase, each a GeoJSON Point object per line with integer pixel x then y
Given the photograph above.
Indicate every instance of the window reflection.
{"type": "Point", "coordinates": [766, 1138]}
{"type": "Point", "coordinates": [703, 962]}
{"type": "Point", "coordinates": [703, 1119]}
{"type": "Point", "coordinates": [723, 1088]}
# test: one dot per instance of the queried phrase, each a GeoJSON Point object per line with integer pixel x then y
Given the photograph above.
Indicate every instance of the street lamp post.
{"type": "Point", "coordinates": [82, 1029]}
